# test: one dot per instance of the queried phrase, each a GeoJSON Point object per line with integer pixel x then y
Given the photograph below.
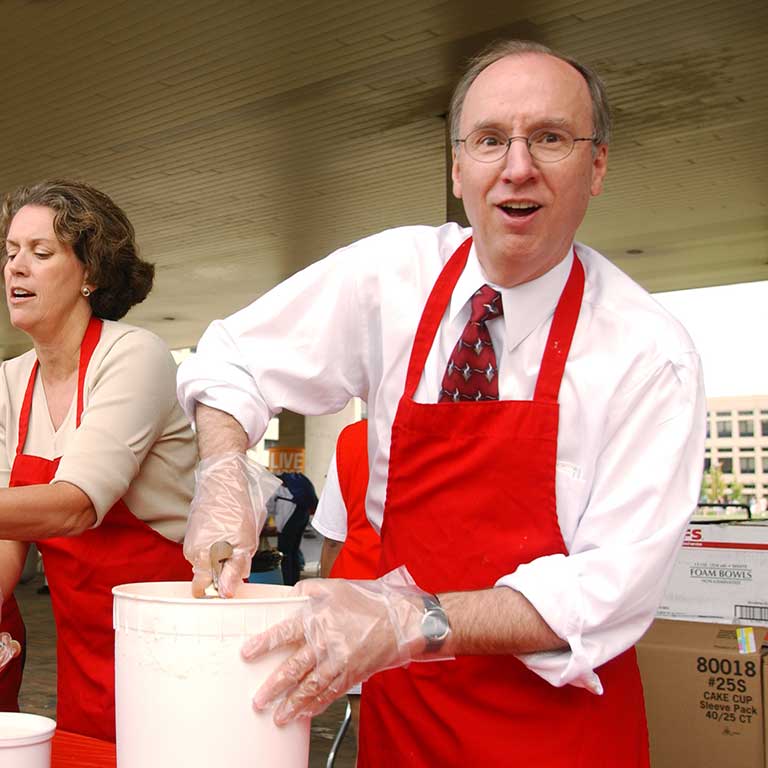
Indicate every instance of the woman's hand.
{"type": "Point", "coordinates": [9, 648]}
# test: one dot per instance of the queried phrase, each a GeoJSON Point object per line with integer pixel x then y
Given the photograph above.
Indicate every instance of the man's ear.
{"type": "Point", "coordinates": [599, 169]}
{"type": "Point", "coordinates": [456, 174]}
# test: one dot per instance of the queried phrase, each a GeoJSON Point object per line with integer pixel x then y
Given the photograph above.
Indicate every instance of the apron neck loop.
{"type": "Point", "coordinates": [88, 344]}
{"type": "Point", "coordinates": [558, 342]}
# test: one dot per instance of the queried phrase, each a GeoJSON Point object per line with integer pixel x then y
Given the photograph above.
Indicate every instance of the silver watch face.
{"type": "Point", "coordinates": [435, 625]}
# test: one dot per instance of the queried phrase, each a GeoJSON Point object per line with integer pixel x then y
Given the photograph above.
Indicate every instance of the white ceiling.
{"type": "Point", "coordinates": [247, 138]}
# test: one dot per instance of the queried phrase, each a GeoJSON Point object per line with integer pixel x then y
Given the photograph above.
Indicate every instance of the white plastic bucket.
{"type": "Point", "coordinates": [25, 740]}
{"type": "Point", "coordinates": [182, 690]}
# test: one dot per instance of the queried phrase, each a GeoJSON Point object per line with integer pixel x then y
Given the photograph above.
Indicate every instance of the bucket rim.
{"type": "Point", "coordinates": [123, 590]}
{"type": "Point", "coordinates": [44, 728]}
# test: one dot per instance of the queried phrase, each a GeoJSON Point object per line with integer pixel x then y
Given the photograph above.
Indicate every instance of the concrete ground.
{"type": "Point", "coordinates": [38, 693]}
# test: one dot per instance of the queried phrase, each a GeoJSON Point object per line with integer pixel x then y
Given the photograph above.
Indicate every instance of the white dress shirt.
{"type": "Point", "coordinates": [632, 410]}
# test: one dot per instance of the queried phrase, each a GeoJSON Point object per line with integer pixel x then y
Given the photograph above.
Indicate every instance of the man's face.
{"type": "Point", "coordinates": [519, 94]}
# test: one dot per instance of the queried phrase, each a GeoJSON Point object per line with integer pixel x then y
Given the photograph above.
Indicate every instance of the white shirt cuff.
{"type": "Point", "coordinates": [571, 666]}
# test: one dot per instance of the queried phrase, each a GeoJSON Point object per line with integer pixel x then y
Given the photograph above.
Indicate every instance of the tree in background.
{"type": "Point", "coordinates": [715, 489]}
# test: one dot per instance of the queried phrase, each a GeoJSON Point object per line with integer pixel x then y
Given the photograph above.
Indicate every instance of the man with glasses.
{"type": "Point", "coordinates": [536, 430]}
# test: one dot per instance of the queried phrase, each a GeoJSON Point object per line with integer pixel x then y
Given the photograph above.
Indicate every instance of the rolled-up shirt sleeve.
{"type": "Point", "coordinates": [603, 594]}
{"type": "Point", "coordinates": [297, 347]}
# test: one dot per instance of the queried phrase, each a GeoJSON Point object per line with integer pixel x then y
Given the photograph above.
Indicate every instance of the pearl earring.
{"type": "Point", "coordinates": [86, 291]}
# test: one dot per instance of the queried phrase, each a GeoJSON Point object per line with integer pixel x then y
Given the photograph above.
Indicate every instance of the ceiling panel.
{"type": "Point", "coordinates": [246, 139]}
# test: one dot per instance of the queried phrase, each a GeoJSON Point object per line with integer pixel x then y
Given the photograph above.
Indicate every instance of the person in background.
{"type": "Point", "coordinates": [304, 499]}
{"type": "Point", "coordinates": [350, 543]}
{"type": "Point", "coordinates": [516, 379]}
{"type": "Point", "coordinates": [351, 547]}
{"type": "Point", "coordinates": [96, 458]}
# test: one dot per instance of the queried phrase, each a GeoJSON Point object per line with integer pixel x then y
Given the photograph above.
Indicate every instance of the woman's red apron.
{"type": "Point", "coordinates": [470, 497]}
{"type": "Point", "coordinates": [81, 572]}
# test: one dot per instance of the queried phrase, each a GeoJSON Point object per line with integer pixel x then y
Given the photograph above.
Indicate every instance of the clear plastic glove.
{"type": "Point", "coordinates": [229, 504]}
{"type": "Point", "coordinates": [347, 631]}
{"type": "Point", "coordinates": [8, 646]}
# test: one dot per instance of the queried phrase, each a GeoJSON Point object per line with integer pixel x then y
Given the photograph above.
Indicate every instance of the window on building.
{"type": "Point", "coordinates": [747, 465]}
{"type": "Point", "coordinates": [726, 464]}
{"type": "Point", "coordinates": [723, 413]}
{"type": "Point", "coordinates": [724, 429]}
{"type": "Point", "coordinates": [746, 428]}
{"type": "Point", "coordinates": [746, 413]}
{"type": "Point", "coordinates": [708, 430]}
{"type": "Point", "coordinates": [707, 463]}
{"type": "Point", "coordinates": [765, 465]}
{"type": "Point", "coordinates": [764, 427]}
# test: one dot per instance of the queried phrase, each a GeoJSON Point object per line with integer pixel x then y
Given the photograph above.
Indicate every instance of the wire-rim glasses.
{"type": "Point", "coordinates": [547, 145]}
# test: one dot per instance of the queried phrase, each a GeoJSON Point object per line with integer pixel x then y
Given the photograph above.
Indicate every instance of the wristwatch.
{"type": "Point", "coordinates": [434, 623]}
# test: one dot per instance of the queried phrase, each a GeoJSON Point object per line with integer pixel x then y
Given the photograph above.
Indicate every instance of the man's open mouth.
{"type": "Point", "coordinates": [519, 209]}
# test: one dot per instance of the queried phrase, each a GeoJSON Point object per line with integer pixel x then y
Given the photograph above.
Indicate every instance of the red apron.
{"type": "Point", "coordinates": [359, 557]}
{"type": "Point", "coordinates": [81, 572]}
{"type": "Point", "coordinates": [470, 497]}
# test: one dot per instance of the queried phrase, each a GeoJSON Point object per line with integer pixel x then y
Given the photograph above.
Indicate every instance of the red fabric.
{"type": "Point", "coordinates": [81, 572]}
{"type": "Point", "coordinates": [470, 496]}
{"type": "Point", "coordinates": [359, 557]}
{"type": "Point", "coordinates": [11, 673]}
{"type": "Point", "coordinates": [472, 371]}
{"type": "Point", "coordinates": [71, 750]}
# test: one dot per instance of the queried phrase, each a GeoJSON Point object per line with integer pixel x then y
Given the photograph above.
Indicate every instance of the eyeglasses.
{"type": "Point", "coordinates": [547, 145]}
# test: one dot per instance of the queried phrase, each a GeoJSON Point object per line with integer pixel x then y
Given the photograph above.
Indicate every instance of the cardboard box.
{"type": "Point", "coordinates": [720, 575]}
{"type": "Point", "coordinates": [705, 691]}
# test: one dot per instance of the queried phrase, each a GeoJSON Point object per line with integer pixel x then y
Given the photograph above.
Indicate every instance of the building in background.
{"type": "Point", "coordinates": [737, 440]}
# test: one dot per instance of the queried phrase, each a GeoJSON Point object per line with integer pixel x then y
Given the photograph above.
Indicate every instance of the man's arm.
{"type": "Point", "coordinates": [229, 502]}
{"type": "Point", "coordinates": [218, 432]}
{"type": "Point", "coordinates": [495, 621]}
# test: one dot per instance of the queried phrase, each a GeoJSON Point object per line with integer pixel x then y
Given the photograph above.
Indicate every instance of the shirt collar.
{"type": "Point", "coordinates": [526, 306]}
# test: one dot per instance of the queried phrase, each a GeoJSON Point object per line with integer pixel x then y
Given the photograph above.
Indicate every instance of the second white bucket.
{"type": "Point", "coordinates": [183, 692]}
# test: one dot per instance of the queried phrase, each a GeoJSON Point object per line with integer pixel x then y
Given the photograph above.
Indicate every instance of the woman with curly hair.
{"type": "Point", "coordinates": [96, 457]}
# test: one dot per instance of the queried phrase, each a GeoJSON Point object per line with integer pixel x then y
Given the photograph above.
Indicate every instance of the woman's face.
{"type": "Point", "coordinates": [43, 277]}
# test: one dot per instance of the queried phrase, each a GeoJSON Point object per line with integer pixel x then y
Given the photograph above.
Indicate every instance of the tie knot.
{"type": "Point", "coordinates": [486, 304]}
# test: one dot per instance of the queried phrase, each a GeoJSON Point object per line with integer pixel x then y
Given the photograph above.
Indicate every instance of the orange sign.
{"type": "Point", "coordinates": [286, 459]}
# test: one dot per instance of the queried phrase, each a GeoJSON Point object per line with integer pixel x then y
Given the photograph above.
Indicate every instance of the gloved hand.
{"type": "Point", "coordinates": [229, 504]}
{"type": "Point", "coordinates": [8, 646]}
{"type": "Point", "coordinates": [346, 632]}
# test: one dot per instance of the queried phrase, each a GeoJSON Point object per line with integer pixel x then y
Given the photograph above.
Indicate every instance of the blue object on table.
{"type": "Point", "coordinates": [274, 576]}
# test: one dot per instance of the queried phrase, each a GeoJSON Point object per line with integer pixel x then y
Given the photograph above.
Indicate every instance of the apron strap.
{"type": "Point", "coordinates": [26, 408]}
{"type": "Point", "coordinates": [90, 340]}
{"type": "Point", "coordinates": [433, 313]}
{"type": "Point", "coordinates": [560, 335]}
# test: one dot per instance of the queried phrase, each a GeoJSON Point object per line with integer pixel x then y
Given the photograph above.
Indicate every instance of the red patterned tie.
{"type": "Point", "coordinates": [471, 373]}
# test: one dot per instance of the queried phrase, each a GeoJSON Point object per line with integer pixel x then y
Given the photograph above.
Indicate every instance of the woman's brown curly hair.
{"type": "Point", "coordinates": [100, 235]}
